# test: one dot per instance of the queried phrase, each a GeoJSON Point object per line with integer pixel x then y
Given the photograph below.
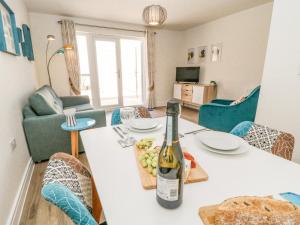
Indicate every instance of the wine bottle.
{"type": "Point", "coordinates": [170, 168]}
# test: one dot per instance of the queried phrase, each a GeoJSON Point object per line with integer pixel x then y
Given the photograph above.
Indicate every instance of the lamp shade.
{"type": "Point", "coordinates": [50, 37]}
{"type": "Point", "coordinates": [154, 15]}
{"type": "Point", "coordinates": [68, 47]}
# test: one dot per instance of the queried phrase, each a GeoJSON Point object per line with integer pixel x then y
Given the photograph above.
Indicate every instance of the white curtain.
{"type": "Point", "coordinates": [150, 35]}
{"type": "Point", "coordinates": [71, 56]}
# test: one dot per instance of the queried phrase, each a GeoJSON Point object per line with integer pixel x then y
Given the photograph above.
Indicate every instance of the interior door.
{"type": "Point", "coordinates": [108, 71]}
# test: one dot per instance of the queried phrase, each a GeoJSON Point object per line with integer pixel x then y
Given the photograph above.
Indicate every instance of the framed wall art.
{"type": "Point", "coordinates": [9, 41]}
{"type": "Point", "coordinates": [27, 43]}
{"type": "Point", "coordinates": [191, 56]}
{"type": "Point", "coordinates": [202, 53]}
{"type": "Point", "coordinates": [216, 52]}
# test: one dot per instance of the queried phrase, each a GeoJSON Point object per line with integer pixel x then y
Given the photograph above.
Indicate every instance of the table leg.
{"type": "Point", "coordinates": [74, 143]}
{"type": "Point", "coordinates": [97, 207]}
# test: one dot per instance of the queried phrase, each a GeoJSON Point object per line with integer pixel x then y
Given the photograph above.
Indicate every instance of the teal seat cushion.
{"type": "Point", "coordinates": [44, 101]}
{"type": "Point", "coordinates": [66, 200]}
{"type": "Point", "coordinates": [82, 107]}
{"type": "Point", "coordinates": [115, 117]}
{"type": "Point", "coordinates": [242, 129]}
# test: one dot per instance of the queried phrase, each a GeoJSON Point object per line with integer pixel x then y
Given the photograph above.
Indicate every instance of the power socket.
{"type": "Point", "coordinates": [13, 144]}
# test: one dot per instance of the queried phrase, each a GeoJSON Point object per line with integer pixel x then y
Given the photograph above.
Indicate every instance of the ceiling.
{"type": "Point", "coordinates": [182, 14]}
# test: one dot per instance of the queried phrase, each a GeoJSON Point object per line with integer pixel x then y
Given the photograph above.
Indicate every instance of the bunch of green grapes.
{"type": "Point", "coordinates": [145, 143]}
{"type": "Point", "coordinates": [149, 160]}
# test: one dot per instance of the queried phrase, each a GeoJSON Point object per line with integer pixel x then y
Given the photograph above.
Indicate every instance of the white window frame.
{"type": "Point", "coordinates": [91, 38]}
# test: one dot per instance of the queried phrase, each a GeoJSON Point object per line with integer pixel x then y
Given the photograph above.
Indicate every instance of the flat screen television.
{"type": "Point", "coordinates": [187, 74]}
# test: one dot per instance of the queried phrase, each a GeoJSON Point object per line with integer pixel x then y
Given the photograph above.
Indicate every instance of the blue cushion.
{"type": "Point", "coordinates": [115, 117]}
{"type": "Point", "coordinates": [44, 101]}
{"type": "Point", "coordinates": [242, 129]}
{"type": "Point", "coordinates": [63, 198]}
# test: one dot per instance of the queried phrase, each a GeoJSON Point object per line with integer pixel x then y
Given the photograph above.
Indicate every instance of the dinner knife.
{"type": "Point", "coordinates": [116, 130]}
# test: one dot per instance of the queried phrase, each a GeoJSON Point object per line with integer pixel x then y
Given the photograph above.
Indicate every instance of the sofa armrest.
{"type": "Point", "coordinates": [96, 114]}
{"type": "Point", "coordinates": [69, 101]}
{"type": "Point", "coordinates": [45, 136]}
{"type": "Point", "coordinates": [222, 101]}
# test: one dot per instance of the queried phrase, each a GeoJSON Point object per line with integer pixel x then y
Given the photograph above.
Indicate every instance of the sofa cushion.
{"type": "Point", "coordinates": [80, 108]}
{"type": "Point", "coordinates": [58, 100]}
{"type": "Point", "coordinates": [44, 101]}
{"type": "Point", "coordinates": [28, 112]}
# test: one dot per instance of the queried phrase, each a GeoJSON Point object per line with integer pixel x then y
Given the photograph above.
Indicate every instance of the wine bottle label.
{"type": "Point", "coordinates": [169, 130]}
{"type": "Point", "coordinates": [167, 189]}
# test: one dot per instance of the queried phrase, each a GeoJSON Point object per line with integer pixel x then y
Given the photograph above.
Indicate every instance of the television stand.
{"type": "Point", "coordinates": [194, 94]}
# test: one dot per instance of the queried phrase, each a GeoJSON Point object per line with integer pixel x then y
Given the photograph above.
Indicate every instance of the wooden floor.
{"type": "Point", "coordinates": [37, 211]}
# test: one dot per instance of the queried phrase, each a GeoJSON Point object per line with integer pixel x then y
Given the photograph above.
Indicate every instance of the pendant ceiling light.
{"type": "Point", "coordinates": [154, 15]}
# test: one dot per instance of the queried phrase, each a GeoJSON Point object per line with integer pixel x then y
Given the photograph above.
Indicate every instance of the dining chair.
{"type": "Point", "coordinates": [140, 112]}
{"type": "Point", "coordinates": [271, 140]}
{"type": "Point", "coordinates": [68, 184]}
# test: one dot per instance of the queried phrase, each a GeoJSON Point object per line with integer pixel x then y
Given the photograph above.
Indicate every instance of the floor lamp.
{"type": "Point", "coordinates": [61, 50]}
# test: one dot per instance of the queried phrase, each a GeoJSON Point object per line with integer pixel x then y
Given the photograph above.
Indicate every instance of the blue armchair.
{"type": "Point", "coordinates": [220, 115]}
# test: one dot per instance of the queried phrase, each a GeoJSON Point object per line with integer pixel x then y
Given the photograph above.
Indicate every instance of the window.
{"type": "Point", "coordinates": [114, 76]}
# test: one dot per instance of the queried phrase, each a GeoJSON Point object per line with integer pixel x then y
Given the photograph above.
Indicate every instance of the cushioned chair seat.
{"type": "Point", "coordinates": [265, 138]}
{"type": "Point", "coordinates": [82, 107]}
{"type": "Point", "coordinates": [67, 184]}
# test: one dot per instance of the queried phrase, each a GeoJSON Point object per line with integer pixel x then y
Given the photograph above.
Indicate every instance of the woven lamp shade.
{"type": "Point", "coordinates": [154, 15]}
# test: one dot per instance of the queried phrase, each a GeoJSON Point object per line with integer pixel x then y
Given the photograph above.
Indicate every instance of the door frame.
{"type": "Point", "coordinates": [98, 37]}
{"type": "Point", "coordinates": [95, 87]}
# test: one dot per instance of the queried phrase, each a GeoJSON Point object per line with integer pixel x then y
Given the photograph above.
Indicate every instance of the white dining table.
{"type": "Point", "coordinates": [125, 202]}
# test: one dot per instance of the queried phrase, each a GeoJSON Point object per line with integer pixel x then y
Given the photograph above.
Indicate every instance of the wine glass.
{"type": "Point", "coordinates": [127, 114]}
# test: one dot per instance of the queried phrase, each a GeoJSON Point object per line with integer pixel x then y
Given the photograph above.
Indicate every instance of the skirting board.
{"type": "Point", "coordinates": [18, 205]}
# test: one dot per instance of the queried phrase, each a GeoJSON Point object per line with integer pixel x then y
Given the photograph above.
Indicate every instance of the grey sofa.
{"type": "Point", "coordinates": [43, 117]}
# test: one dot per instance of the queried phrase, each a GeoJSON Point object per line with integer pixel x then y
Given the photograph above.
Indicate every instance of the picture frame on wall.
{"type": "Point", "coordinates": [9, 41]}
{"type": "Point", "coordinates": [191, 56]}
{"type": "Point", "coordinates": [216, 52]}
{"type": "Point", "coordinates": [202, 53]}
{"type": "Point", "coordinates": [27, 43]}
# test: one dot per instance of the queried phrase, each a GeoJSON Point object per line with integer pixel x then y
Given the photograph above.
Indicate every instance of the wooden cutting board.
{"type": "Point", "coordinates": [149, 182]}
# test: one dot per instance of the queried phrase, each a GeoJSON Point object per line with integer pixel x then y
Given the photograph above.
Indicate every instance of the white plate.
{"type": "Point", "coordinates": [143, 124]}
{"type": "Point", "coordinates": [158, 127]}
{"type": "Point", "coordinates": [220, 141]}
{"type": "Point", "coordinates": [241, 150]}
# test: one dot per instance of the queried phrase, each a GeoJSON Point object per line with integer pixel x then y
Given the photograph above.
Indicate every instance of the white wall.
{"type": "Point", "coordinates": [168, 50]}
{"type": "Point", "coordinates": [17, 81]}
{"type": "Point", "coordinates": [279, 102]}
{"type": "Point", "coordinates": [44, 24]}
{"type": "Point", "coordinates": [244, 37]}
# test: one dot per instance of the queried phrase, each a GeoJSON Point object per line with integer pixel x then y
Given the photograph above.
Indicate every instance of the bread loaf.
{"type": "Point", "coordinates": [257, 211]}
